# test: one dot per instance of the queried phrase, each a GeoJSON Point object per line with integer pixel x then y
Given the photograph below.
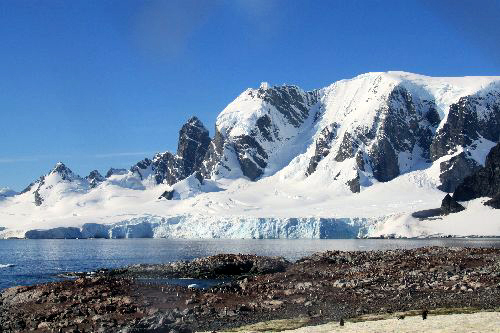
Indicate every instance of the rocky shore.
{"type": "Point", "coordinates": [321, 288]}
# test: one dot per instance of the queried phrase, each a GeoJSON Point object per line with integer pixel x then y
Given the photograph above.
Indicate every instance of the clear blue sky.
{"type": "Point", "coordinates": [98, 83]}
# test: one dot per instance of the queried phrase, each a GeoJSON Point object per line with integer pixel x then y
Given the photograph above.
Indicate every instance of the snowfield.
{"type": "Point", "coordinates": [288, 199]}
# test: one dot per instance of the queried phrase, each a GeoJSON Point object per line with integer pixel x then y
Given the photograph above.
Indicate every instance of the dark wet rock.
{"type": "Point", "coordinates": [95, 178]}
{"type": "Point", "coordinates": [450, 205]}
{"type": "Point", "coordinates": [483, 183]}
{"type": "Point", "coordinates": [169, 195]}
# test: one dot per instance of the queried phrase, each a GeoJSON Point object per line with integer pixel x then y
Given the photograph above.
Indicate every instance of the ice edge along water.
{"type": "Point", "coordinates": [285, 201]}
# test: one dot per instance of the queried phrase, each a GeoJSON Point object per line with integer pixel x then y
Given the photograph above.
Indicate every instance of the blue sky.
{"type": "Point", "coordinates": [100, 83]}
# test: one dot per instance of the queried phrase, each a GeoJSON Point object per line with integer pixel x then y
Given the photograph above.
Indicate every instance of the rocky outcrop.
{"type": "Point", "coordinates": [402, 125]}
{"type": "Point", "coordinates": [282, 107]}
{"type": "Point", "coordinates": [354, 185]}
{"type": "Point", "coordinates": [319, 288]}
{"type": "Point", "coordinates": [167, 168]}
{"type": "Point", "coordinates": [483, 183]}
{"type": "Point", "coordinates": [323, 146]}
{"type": "Point", "coordinates": [95, 178]}
{"type": "Point", "coordinates": [220, 266]}
{"type": "Point", "coordinates": [450, 205]}
{"type": "Point", "coordinates": [193, 145]}
{"type": "Point", "coordinates": [471, 118]}
{"type": "Point", "coordinates": [454, 171]}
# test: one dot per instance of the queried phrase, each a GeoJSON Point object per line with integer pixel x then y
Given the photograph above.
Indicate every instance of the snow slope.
{"type": "Point", "coordinates": [352, 159]}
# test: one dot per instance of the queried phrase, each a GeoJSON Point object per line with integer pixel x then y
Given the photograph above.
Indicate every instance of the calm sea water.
{"type": "Point", "coordinates": [27, 262]}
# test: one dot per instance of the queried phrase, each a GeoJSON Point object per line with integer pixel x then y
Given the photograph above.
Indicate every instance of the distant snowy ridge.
{"type": "Point", "coordinates": [365, 153]}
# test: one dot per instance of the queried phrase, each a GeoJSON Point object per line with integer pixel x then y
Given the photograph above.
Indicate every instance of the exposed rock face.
{"type": "Point", "coordinates": [168, 168]}
{"type": "Point", "coordinates": [193, 145]}
{"type": "Point", "coordinates": [283, 107]}
{"type": "Point", "coordinates": [215, 156]}
{"type": "Point", "coordinates": [354, 185]}
{"type": "Point", "coordinates": [323, 145]}
{"type": "Point", "coordinates": [469, 119]}
{"type": "Point", "coordinates": [402, 125]}
{"type": "Point", "coordinates": [449, 205]}
{"type": "Point", "coordinates": [454, 170]}
{"type": "Point", "coordinates": [483, 183]}
{"type": "Point", "coordinates": [95, 178]}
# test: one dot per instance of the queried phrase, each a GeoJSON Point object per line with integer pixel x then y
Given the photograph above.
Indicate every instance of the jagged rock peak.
{"type": "Point", "coordinates": [193, 143]}
{"type": "Point", "coordinates": [195, 121]}
{"type": "Point", "coordinates": [95, 178]}
{"type": "Point", "coordinates": [63, 171]}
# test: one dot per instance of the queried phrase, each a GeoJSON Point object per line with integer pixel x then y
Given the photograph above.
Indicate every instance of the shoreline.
{"type": "Point", "coordinates": [323, 287]}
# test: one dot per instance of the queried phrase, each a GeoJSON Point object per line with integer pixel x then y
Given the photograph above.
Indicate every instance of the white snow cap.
{"type": "Point", "coordinates": [264, 85]}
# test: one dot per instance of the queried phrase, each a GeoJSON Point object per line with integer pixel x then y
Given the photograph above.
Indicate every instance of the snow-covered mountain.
{"type": "Point", "coordinates": [356, 158]}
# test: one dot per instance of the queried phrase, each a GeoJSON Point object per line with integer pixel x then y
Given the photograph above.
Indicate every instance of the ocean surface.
{"type": "Point", "coordinates": [27, 262]}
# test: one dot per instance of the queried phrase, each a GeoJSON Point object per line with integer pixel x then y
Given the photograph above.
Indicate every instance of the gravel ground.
{"type": "Point", "coordinates": [317, 289]}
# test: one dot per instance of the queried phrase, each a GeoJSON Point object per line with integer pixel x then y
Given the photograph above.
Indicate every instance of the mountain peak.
{"type": "Point", "coordinates": [196, 122]}
{"type": "Point", "coordinates": [63, 171]}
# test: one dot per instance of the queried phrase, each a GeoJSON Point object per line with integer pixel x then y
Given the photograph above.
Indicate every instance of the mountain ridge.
{"type": "Point", "coordinates": [353, 135]}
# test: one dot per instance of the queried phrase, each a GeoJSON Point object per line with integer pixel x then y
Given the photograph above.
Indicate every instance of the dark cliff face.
{"type": "Point", "coordinates": [323, 145]}
{"type": "Point", "coordinates": [483, 183]}
{"type": "Point", "coordinates": [469, 119]}
{"type": "Point", "coordinates": [194, 140]}
{"type": "Point", "coordinates": [454, 170]}
{"type": "Point", "coordinates": [214, 156]}
{"type": "Point", "coordinates": [293, 104]}
{"type": "Point", "coordinates": [401, 125]}
{"type": "Point", "coordinates": [168, 168]}
{"type": "Point", "coordinates": [289, 101]}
